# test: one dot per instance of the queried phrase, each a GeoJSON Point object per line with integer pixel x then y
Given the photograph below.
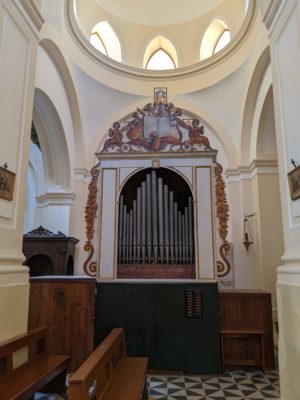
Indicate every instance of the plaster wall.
{"type": "Point", "coordinates": [256, 193]}
{"type": "Point", "coordinates": [17, 69]}
{"type": "Point", "coordinates": [284, 25]}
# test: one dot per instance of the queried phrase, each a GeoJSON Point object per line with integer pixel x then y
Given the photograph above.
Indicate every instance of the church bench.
{"type": "Point", "coordinates": [41, 371]}
{"type": "Point", "coordinates": [108, 374]}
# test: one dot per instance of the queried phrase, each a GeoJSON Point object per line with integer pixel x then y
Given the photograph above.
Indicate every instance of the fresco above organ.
{"type": "Point", "coordinates": [131, 186]}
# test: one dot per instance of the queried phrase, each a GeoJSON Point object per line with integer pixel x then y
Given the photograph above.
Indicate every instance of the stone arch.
{"type": "Point", "coordinates": [53, 143]}
{"type": "Point", "coordinates": [63, 68]}
{"type": "Point", "coordinates": [266, 134]}
{"type": "Point", "coordinates": [250, 103]}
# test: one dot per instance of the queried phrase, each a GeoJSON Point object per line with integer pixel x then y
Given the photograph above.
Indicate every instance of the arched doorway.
{"type": "Point", "coordinates": [40, 265]}
{"type": "Point", "coordinates": [156, 226]}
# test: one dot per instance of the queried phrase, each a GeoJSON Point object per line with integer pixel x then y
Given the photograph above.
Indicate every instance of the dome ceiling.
{"type": "Point", "coordinates": [159, 12]}
{"type": "Point", "coordinates": [189, 32]}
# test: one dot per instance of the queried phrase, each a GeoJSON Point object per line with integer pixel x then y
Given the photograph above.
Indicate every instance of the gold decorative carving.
{"type": "Point", "coordinates": [223, 267]}
{"type": "Point", "coordinates": [221, 203]}
{"type": "Point", "coordinates": [157, 127]}
{"type": "Point", "coordinates": [91, 207]}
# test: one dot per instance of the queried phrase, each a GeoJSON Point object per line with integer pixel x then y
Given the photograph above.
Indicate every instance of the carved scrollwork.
{"type": "Point", "coordinates": [221, 203]}
{"type": "Point", "coordinates": [223, 267]}
{"type": "Point", "coordinates": [90, 214]}
{"type": "Point", "coordinates": [90, 268]}
{"type": "Point", "coordinates": [156, 127]}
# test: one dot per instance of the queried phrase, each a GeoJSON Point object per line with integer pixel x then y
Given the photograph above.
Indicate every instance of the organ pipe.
{"type": "Point", "coordinates": [120, 231]}
{"type": "Point", "coordinates": [143, 216]}
{"type": "Point", "coordinates": [171, 219]}
{"type": "Point", "coordinates": [176, 231]}
{"type": "Point", "coordinates": [138, 225]}
{"type": "Point", "coordinates": [161, 218]}
{"type": "Point", "coordinates": [155, 228]}
{"type": "Point", "coordinates": [166, 222]}
{"type": "Point", "coordinates": [154, 215]}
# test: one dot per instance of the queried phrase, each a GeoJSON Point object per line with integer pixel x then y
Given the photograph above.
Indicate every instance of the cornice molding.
{"type": "Point", "coordinates": [256, 167]}
{"type": "Point", "coordinates": [141, 73]}
{"type": "Point", "coordinates": [55, 199]}
{"type": "Point", "coordinates": [34, 14]}
{"type": "Point", "coordinates": [289, 275]}
{"type": "Point", "coordinates": [157, 156]}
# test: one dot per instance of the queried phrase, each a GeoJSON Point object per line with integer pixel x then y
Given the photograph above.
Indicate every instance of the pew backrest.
{"type": "Point", "coordinates": [96, 374]}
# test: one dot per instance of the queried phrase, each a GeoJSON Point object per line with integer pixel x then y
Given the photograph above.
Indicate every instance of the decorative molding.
{"type": "Point", "coordinates": [270, 13]}
{"type": "Point", "coordinates": [42, 232]}
{"type": "Point", "coordinates": [288, 275]}
{"type": "Point", "coordinates": [194, 69]}
{"type": "Point", "coordinates": [10, 258]}
{"type": "Point", "coordinates": [156, 128]}
{"type": "Point", "coordinates": [221, 203]}
{"type": "Point", "coordinates": [81, 174]}
{"type": "Point", "coordinates": [56, 198]}
{"type": "Point", "coordinates": [14, 276]}
{"type": "Point", "coordinates": [152, 155]}
{"type": "Point", "coordinates": [223, 267]}
{"type": "Point", "coordinates": [90, 268]}
{"type": "Point", "coordinates": [34, 14]}
{"type": "Point", "coordinates": [256, 167]}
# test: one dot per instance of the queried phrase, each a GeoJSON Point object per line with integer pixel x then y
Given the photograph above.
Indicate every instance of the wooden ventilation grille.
{"type": "Point", "coordinates": [193, 303]}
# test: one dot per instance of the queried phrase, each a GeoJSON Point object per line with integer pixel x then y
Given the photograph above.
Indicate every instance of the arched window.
{"type": "Point", "coordinates": [222, 42]}
{"type": "Point", "coordinates": [96, 41]}
{"type": "Point", "coordinates": [247, 3]}
{"type": "Point", "coordinates": [215, 38]}
{"type": "Point", "coordinates": [160, 54]}
{"type": "Point", "coordinates": [104, 39]}
{"type": "Point", "coordinates": [160, 60]}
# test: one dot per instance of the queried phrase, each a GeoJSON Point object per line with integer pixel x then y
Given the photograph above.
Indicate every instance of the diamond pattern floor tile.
{"type": "Point", "coordinates": [233, 385]}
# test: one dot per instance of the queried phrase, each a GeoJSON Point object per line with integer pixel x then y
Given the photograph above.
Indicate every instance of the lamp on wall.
{"type": "Point", "coordinates": [247, 234]}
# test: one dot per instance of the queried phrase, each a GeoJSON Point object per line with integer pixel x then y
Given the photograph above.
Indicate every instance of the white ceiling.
{"type": "Point", "coordinates": [159, 12]}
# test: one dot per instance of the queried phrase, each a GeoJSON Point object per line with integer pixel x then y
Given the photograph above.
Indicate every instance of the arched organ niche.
{"type": "Point", "coordinates": [156, 222]}
{"type": "Point", "coordinates": [157, 205]}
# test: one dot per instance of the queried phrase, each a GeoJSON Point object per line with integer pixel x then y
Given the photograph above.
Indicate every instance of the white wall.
{"type": "Point", "coordinates": [18, 41]}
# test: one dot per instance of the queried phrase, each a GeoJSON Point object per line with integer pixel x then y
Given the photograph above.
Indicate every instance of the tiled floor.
{"type": "Point", "coordinates": [235, 385]}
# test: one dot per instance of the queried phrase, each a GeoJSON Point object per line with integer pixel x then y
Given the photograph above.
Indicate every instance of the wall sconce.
{"type": "Point", "coordinates": [247, 234]}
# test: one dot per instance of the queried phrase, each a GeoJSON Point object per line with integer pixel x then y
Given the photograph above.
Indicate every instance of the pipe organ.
{"type": "Point", "coordinates": [154, 228]}
{"type": "Point", "coordinates": [157, 206]}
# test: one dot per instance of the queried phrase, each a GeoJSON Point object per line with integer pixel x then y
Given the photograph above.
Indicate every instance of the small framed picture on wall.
{"type": "Point", "coordinates": [7, 182]}
{"type": "Point", "coordinates": [294, 183]}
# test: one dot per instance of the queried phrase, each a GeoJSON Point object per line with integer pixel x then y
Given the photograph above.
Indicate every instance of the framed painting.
{"type": "Point", "coordinates": [294, 183]}
{"type": "Point", "coordinates": [7, 182]}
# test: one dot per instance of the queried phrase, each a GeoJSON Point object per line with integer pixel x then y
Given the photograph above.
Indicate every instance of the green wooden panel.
{"type": "Point", "coordinates": [153, 316]}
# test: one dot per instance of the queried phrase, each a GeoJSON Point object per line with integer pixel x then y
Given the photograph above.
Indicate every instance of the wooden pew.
{"type": "Point", "coordinates": [108, 374]}
{"type": "Point", "coordinates": [41, 368]}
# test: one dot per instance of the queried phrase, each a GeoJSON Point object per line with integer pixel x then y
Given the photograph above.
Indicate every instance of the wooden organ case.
{"type": "Point", "coordinates": [158, 197]}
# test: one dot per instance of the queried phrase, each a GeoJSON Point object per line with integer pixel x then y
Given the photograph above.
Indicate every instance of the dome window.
{"type": "Point", "coordinates": [160, 60]}
{"type": "Point", "coordinates": [222, 42]}
{"type": "Point", "coordinates": [160, 54]}
{"type": "Point", "coordinates": [215, 38]}
{"type": "Point", "coordinates": [104, 39]}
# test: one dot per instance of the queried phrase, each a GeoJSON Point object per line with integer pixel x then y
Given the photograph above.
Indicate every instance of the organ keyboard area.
{"type": "Point", "coordinates": [154, 228]}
